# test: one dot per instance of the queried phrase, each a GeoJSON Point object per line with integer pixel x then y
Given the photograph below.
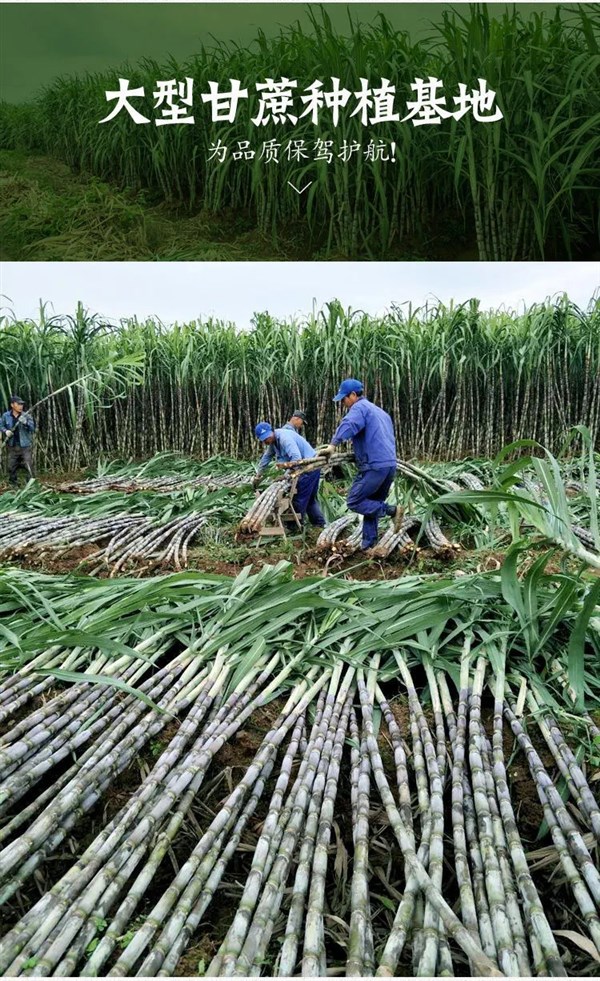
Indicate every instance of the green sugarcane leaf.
{"type": "Point", "coordinates": [89, 641]}
{"type": "Point", "coordinates": [576, 648]}
{"type": "Point", "coordinates": [562, 603]}
{"type": "Point", "coordinates": [247, 663]}
{"type": "Point", "coordinates": [10, 636]}
{"type": "Point", "coordinates": [77, 677]}
{"type": "Point", "coordinates": [511, 589]}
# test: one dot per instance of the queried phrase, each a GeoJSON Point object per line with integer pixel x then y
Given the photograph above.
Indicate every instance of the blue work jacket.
{"type": "Point", "coordinates": [371, 431]}
{"type": "Point", "coordinates": [289, 445]}
{"type": "Point", "coordinates": [26, 429]}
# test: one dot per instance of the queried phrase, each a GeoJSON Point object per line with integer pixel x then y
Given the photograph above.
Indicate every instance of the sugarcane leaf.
{"type": "Point", "coordinates": [10, 636]}
{"type": "Point", "coordinates": [562, 603]}
{"type": "Point", "coordinates": [76, 677]}
{"type": "Point", "coordinates": [576, 648]}
{"type": "Point", "coordinates": [82, 638]}
{"type": "Point", "coordinates": [581, 941]}
{"type": "Point", "coordinates": [511, 589]}
{"type": "Point", "coordinates": [247, 663]}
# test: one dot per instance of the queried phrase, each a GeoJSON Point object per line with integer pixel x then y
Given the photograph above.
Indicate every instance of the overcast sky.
{"type": "Point", "coordinates": [234, 291]}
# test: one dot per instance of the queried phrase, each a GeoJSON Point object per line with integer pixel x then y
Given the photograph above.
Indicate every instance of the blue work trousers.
{"type": "Point", "coordinates": [305, 498]}
{"type": "Point", "coordinates": [367, 497]}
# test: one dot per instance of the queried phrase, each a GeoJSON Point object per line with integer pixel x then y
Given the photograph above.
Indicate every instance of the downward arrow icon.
{"type": "Point", "coordinates": [299, 190]}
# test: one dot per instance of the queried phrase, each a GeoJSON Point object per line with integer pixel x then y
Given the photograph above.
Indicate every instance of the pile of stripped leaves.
{"type": "Point", "coordinates": [385, 716]}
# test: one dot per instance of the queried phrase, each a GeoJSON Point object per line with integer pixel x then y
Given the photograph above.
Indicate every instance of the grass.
{"type": "Point", "coordinates": [49, 214]}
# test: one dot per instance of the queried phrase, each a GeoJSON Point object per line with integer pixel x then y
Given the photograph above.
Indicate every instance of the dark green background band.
{"type": "Point", "coordinates": [42, 40]}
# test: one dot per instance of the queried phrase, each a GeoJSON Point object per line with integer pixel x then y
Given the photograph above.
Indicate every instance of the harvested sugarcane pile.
{"type": "Point", "coordinates": [163, 473]}
{"type": "Point", "coordinates": [127, 538]}
{"type": "Point", "coordinates": [436, 538]}
{"type": "Point", "coordinates": [264, 507]}
{"type": "Point", "coordinates": [341, 844]}
{"type": "Point", "coordinates": [332, 537]}
{"type": "Point", "coordinates": [270, 503]}
{"type": "Point", "coordinates": [394, 539]}
{"type": "Point", "coordinates": [130, 485]}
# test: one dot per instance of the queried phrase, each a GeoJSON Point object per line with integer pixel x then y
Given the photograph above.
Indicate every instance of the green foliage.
{"type": "Point", "coordinates": [457, 381]}
{"type": "Point", "coordinates": [542, 618]}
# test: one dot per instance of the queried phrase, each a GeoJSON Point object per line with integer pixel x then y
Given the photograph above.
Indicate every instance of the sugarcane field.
{"type": "Point", "coordinates": [299, 644]}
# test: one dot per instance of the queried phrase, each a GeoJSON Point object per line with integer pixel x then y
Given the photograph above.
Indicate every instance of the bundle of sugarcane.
{"type": "Point", "coordinates": [470, 481]}
{"type": "Point", "coordinates": [162, 544]}
{"type": "Point", "coordinates": [398, 538]}
{"type": "Point", "coordinates": [436, 537]}
{"type": "Point", "coordinates": [264, 506]}
{"type": "Point", "coordinates": [324, 463]}
{"type": "Point", "coordinates": [22, 533]}
{"type": "Point", "coordinates": [353, 542]}
{"type": "Point", "coordinates": [331, 532]}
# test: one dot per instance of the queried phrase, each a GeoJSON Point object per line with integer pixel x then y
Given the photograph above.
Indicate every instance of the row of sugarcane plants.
{"type": "Point", "coordinates": [518, 194]}
{"type": "Point", "coordinates": [332, 660]}
{"type": "Point", "coordinates": [458, 381]}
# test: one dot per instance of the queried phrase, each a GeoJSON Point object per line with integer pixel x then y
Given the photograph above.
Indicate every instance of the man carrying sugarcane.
{"type": "Point", "coordinates": [286, 445]}
{"type": "Point", "coordinates": [372, 434]}
{"type": "Point", "coordinates": [17, 428]}
{"type": "Point", "coordinates": [296, 421]}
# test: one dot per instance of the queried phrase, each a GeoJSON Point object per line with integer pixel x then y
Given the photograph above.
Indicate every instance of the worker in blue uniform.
{"type": "Point", "coordinates": [286, 445]}
{"type": "Point", "coordinates": [372, 434]}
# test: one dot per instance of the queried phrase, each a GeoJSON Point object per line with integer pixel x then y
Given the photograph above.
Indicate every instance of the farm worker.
{"type": "Point", "coordinates": [286, 445]}
{"type": "Point", "coordinates": [18, 429]}
{"type": "Point", "coordinates": [296, 421]}
{"type": "Point", "coordinates": [374, 443]}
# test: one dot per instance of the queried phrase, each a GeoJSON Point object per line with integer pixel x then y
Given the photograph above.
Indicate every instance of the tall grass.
{"type": "Point", "coordinates": [526, 187]}
{"type": "Point", "coordinates": [457, 381]}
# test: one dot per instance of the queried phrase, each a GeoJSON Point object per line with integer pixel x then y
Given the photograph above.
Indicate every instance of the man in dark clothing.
{"type": "Point", "coordinates": [296, 421]}
{"type": "Point", "coordinates": [286, 445]}
{"type": "Point", "coordinates": [372, 434]}
{"type": "Point", "coordinates": [17, 428]}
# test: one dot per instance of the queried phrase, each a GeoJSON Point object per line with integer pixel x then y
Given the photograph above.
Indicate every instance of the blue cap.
{"type": "Point", "coordinates": [17, 399]}
{"type": "Point", "coordinates": [348, 386]}
{"type": "Point", "coordinates": [262, 430]}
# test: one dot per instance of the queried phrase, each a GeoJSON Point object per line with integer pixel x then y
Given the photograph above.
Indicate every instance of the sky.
{"type": "Point", "coordinates": [73, 38]}
{"type": "Point", "coordinates": [234, 291]}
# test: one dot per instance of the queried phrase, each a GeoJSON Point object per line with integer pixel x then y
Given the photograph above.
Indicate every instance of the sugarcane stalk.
{"type": "Point", "coordinates": [260, 930]}
{"type": "Point", "coordinates": [481, 964]}
{"type": "Point", "coordinates": [272, 834]}
{"type": "Point", "coordinates": [545, 787]}
{"type": "Point", "coordinates": [359, 960]}
{"type": "Point", "coordinates": [461, 861]}
{"type": "Point", "coordinates": [220, 825]}
{"type": "Point", "coordinates": [568, 766]}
